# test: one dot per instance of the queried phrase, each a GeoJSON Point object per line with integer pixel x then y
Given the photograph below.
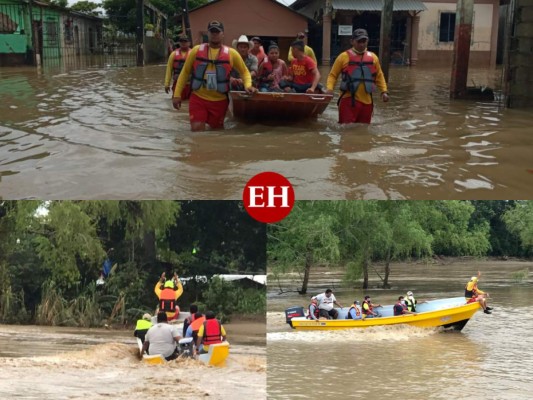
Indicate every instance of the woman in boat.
{"type": "Point", "coordinates": [473, 293]}
{"type": "Point", "coordinates": [272, 71]}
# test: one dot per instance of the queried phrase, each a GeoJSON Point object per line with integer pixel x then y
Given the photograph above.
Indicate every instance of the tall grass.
{"type": "Point", "coordinates": [520, 276]}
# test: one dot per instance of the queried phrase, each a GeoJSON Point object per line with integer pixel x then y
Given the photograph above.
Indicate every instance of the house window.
{"type": "Point", "coordinates": [51, 33]}
{"type": "Point", "coordinates": [68, 31]}
{"type": "Point", "coordinates": [447, 27]}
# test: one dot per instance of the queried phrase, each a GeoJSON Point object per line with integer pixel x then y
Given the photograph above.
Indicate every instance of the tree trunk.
{"type": "Point", "coordinates": [307, 271]}
{"type": "Point", "coordinates": [149, 247]}
{"type": "Point", "coordinates": [387, 271]}
{"type": "Point", "coordinates": [365, 273]}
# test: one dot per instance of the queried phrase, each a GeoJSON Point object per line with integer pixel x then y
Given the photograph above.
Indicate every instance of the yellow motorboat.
{"type": "Point", "coordinates": [452, 313]}
{"type": "Point", "coordinates": [216, 355]}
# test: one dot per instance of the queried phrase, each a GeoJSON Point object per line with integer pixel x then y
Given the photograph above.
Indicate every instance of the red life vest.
{"type": "Point", "coordinates": [316, 313]}
{"type": "Point", "coordinates": [179, 60]}
{"type": "Point", "coordinates": [212, 332]}
{"type": "Point", "coordinates": [369, 307]}
{"type": "Point", "coordinates": [222, 68]}
{"type": "Point", "coordinates": [167, 300]}
{"type": "Point", "coordinates": [360, 69]}
{"type": "Point", "coordinates": [266, 71]}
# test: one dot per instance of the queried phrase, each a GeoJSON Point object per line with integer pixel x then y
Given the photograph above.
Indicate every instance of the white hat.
{"type": "Point", "coordinates": [147, 317]}
{"type": "Point", "coordinates": [409, 293]}
{"type": "Point", "coordinates": [242, 39]}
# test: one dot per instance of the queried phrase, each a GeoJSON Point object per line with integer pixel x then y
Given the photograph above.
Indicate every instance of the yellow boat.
{"type": "Point", "coordinates": [216, 355]}
{"type": "Point", "coordinates": [452, 313]}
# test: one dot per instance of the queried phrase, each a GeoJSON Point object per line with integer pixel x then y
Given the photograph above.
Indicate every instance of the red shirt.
{"type": "Point", "coordinates": [301, 70]}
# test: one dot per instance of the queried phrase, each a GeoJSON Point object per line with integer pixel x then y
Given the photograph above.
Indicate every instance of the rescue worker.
{"type": "Point", "coordinates": [210, 332]}
{"type": "Point", "coordinates": [307, 50]}
{"type": "Point", "coordinates": [142, 326]}
{"type": "Point", "coordinates": [411, 302]}
{"type": "Point", "coordinates": [257, 50]}
{"type": "Point", "coordinates": [355, 311]}
{"type": "Point", "coordinates": [473, 293]}
{"type": "Point", "coordinates": [368, 308]}
{"type": "Point", "coordinates": [400, 308]}
{"type": "Point", "coordinates": [168, 293]}
{"type": "Point", "coordinates": [210, 65]}
{"type": "Point", "coordinates": [175, 63]}
{"type": "Point", "coordinates": [314, 312]}
{"type": "Point", "coordinates": [361, 73]}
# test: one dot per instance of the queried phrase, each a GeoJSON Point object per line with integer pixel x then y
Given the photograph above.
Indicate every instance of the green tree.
{"type": "Point", "coordinates": [85, 6]}
{"type": "Point", "coordinates": [519, 221]}
{"type": "Point", "coordinates": [305, 238]}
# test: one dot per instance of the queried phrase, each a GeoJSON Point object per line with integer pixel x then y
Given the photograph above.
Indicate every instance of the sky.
{"type": "Point", "coordinates": [286, 2]}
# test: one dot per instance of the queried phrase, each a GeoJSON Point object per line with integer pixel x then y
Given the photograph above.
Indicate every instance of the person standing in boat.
{"type": "Point", "coordinates": [307, 50]}
{"type": "Point", "coordinates": [303, 73]}
{"type": "Point", "coordinates": [473, 294]}
{"type": "Point", "coordinates": [243, 46]}
{"type": "Point", "coordinates": [400, 308]}
{"type": "Point", "coordinates": [272, 71]}
{"type": "Point", "coordinates": [210, 332]}
{"type": "Point", "coordinates": [162, 338]}
{"type": "Point", "coordinates": [411, 302]}
{"type": "Point", "coordinates": [361, 73]}
{"type": "Point", "coordinates": [175, 63]}
{"type": "Point", "coordinates": [326, 301]}
{"type": "Point", "coordinates": [368, 308]}
{"type": "Point", "coordinates": [168, 292]}
{"type": "Point", "coordinates": [355, 311]}
{"type": "Point", "coordinates": [210, 65]}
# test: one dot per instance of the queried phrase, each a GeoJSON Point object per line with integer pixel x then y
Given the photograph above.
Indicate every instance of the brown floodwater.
{"type": "Point", "coordinates": [39, 362]}
{"type": "Point", "coordinates": [112, 133]}
{"type": "Point", "coordinates": [492, 358]}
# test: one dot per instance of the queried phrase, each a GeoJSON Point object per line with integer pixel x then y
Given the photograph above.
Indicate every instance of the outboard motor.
{"type": "Point", "coordinates": [293, 312]}
{"type": "Point", "coordinates": [185, 347]}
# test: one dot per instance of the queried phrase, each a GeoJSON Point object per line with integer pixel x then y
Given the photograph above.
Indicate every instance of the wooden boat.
{"type": "Point", "coordinates": [277, 106]}
{"type": "Point", "coordinates": [452, 313]}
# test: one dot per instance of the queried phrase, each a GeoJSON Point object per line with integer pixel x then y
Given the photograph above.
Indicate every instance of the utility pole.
{"type": "Point", "coordinates": [385, 35]}
{"type": "Point", "coordinates": [461, 48]}
{"type": "Point", "coordinates": [140, 33]}
{"type": "Point", "coordinates": [186, 22]}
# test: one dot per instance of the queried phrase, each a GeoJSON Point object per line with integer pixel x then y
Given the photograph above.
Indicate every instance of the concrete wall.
{"type": "Point", "coordinates": [484, 38]}
{"type": "Point", "coordinates": [251, 18]}
{"type": "Point", "coordinates": [519, 80]}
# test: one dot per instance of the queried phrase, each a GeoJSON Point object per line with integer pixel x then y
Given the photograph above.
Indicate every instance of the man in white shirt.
{"type": "Point", "coordinates": [326, 301]}
{"type": "Point", "coordinates": [162, 338]}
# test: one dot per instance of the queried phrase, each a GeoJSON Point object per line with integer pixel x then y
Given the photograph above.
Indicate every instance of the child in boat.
{"type": "Point", "coordinates": [272, 70]}
{"type": "Point", "coordinates": [303, 74]}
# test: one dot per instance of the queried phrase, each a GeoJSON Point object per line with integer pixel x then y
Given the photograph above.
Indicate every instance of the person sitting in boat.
{"type": "Point", "coordinates": [307, 50]}
{"type": "Point", "coordinates": [271, 71]}
{"type": "Point", "coordinates": [411, 302]}
{"type": "Point", "coordinates": [355, 311]}
{"type": "Point", "coordinates": [194, 327]}
{"type": "Point", "coordinates": [210, 332]}
{"type": "Point", "coordinates": [162, 338]}
{"type": "Point", "coordinates": [142, 326]}
{"type": "Point", "coordinates": [243, 46]}
{"type": "Point", "coordinates": [193, 309]}
{"type": "Point", "coordinates": [400, 308]}
{"type": "Point", "coordinates": [368, 308]}
{"type": "Point", "coordinates": [314, 311]}
{"type": "Point", "coordinates": [473, 293]}
{"type": "Point", "coordinates": [303, 74]}
{"type": "Point", "coordinates": [175, 63]}
{"type": "Point", "coordinates": [168, 292]}
{"type": "Point", "coordinates": [326, 301]}
{"type": "Point", "coordinates": [258, 50]}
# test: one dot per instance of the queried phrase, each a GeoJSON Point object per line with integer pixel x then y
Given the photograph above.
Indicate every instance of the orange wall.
{"type": "Point", "coordinates": [248, 17]}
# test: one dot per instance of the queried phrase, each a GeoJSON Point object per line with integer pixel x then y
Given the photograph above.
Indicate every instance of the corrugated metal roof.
{"type": "Point", "coordinates": [377, 5]}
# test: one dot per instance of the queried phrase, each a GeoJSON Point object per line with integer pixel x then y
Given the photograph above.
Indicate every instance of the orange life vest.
{"type": "Point", "coordinates": [357, 313]}
{"type": "Point", "coordinates": [212, 331]}
{"type": "Point", "coordinates": [197, 323]}
{"type": "Point", "coordinates": [360, 69]}
{"type": "Point", "coordinates": [167, 300]}
{"type": "Point", "coordinates": [222, 68]}
{"type": "Point", "coordinates": [179, 60]}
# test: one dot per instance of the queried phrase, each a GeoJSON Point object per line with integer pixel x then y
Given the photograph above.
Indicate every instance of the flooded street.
{"type": "Point", "coordinates": [491, 358]}
{"type": "Point", "coordinates": [74, 363]}
{"type": "Point", "coordinates": [112, 133]}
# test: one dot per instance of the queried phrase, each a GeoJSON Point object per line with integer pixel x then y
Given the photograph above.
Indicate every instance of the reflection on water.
{"type": "Point", "coordinates": [491, 358]}
{"type": "Point", "coordinates": [113, 133]}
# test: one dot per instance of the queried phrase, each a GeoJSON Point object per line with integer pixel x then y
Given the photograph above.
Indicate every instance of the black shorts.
{"type": "Point", "coordinates": [331, 314]}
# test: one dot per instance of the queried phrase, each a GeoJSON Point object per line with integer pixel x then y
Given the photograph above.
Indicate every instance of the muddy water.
{"type": "Point", "coordinates": [112, 133]}
{"type": "Point", "coordinates": [68, 363]}
{"type": "Point", "coordinates": [491, 358]}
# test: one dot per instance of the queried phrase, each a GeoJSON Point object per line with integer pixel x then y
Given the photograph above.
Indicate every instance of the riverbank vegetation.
{"type": "Point", "coordinates": [355, 235]}
{"type": "Point", "coordinates": [52, 253]}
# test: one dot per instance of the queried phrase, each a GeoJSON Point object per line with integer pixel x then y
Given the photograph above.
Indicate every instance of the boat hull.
{"type": "Point", "coordinates": [454, 318]}
{"type": "Point", "coordinates": [273, 106]}
{"type": "Point", "coordinates": [216, 355]}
